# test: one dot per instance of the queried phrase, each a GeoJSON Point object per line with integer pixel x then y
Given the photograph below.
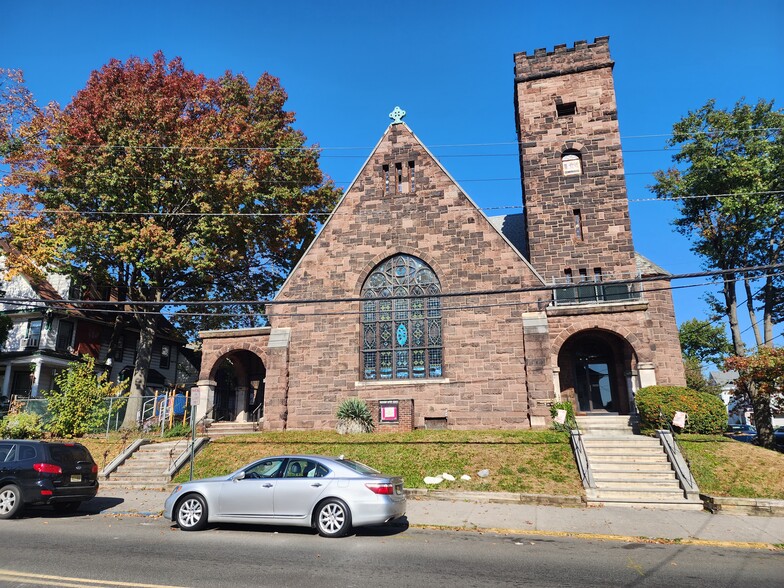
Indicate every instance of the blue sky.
{"type": "Point", "coordinates": [449, 64]}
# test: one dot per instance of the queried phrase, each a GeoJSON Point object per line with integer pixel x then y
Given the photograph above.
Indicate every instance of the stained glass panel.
{"type": "Point", "coordinates": [401, 364]}
{"type": "Point", "coordinates": [370, 336]}
{"type": "Point", "coordinates": [396, 332]}
{"type": "Point", "coordinates": [370, 365]}
{"type": "Point", "coordinates": [385, 359]}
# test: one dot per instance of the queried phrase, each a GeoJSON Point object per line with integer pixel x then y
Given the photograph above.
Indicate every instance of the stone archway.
{"type": "Point", "coordinates": [596, 372]}
{"type": "Point", "coordinates": [238, 393]}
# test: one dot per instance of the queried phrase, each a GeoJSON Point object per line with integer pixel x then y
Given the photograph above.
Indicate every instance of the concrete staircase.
{"type": "Point", "coordinates": [226, 428]}
{"type": "Point", "coordinates": [147, 467]}
{"type": "Point", "coordinates": [629, 469]}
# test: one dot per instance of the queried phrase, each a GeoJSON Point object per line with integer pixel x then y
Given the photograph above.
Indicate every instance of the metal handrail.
{"type": "Point", "coordinates": [675, 449]}
{"type": "Point", "coordinates": [581, 455]}
{"type": "Point", "coordinates": [255, 415]}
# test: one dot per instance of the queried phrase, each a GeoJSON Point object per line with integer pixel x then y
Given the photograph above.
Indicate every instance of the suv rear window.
{"type": "Point", "coordinates": [69, 455]}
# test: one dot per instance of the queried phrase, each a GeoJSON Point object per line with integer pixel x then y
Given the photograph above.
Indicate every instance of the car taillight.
{"type": "Point", "coordinates": [94, 469]}
{"type": "Point", "coordinates": [381, 488]}
{"type": "Point", "coordinates": [47, 468]}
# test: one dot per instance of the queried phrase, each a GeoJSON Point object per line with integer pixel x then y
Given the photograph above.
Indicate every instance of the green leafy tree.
{"type": "Point", "coordinates": [695, 378]}
{"type": "Point", "coordinates": [761, 379]}
{"type": "Point", "coordinates": [167, 185]}
{"type": "Point", "coordinates": [737, 157]}
{"type": "Point", "coordinates": [78, 405]}
{"type": "Point", "coordinates": [704, 341]}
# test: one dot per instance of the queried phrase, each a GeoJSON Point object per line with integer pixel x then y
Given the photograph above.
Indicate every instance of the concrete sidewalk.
{"type": "Point", "coordinates": [470, 512]}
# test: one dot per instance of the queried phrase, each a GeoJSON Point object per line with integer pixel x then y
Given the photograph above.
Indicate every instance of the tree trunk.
{"type": "Point", "coordinates": [118, 331]}
{"type": "Point", "coordinates": [768, 306]}
{"type": "Point", "coordinates": [147, 324]}
{"type": "Point", "coordinates": [731, 300]}
{"type": "Point", "coordinates": [752, 315]}
{"type": "Point", "coordinates": [760, 402]}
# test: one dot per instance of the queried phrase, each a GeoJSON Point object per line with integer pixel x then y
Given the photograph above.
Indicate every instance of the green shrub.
{"type": "Point", "coordinates": [23, 425]}
{"type": "Point", "coordinates": [178, 430]}
{"type": "Point", "coordinates": [78, 405]}
{"type": "Point", "coordinates": [354, 416]}
{"type": "Point", "coordinates": [707, 414]}
{"type": "Point", "coordinates": [570, 422]}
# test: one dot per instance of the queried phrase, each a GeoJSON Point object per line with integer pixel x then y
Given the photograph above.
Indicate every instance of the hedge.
{"type": "Point", "coordinates": [707, 414]}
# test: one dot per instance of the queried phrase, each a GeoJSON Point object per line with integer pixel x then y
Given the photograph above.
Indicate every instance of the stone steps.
{"type": "Point", "coordinates": [224, 429]}
{"type": "Point", "coordinates": [148, 465]}
{"type": "Point", "coordinates": [629, 469]}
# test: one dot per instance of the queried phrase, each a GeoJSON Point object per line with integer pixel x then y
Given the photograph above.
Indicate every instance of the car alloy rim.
{"type": "Point", "coordinates": [7, 501]}
{"type": "Point", "coordinates": [190, 512]}
{"type": "Point", "coordinates": [332, 518]}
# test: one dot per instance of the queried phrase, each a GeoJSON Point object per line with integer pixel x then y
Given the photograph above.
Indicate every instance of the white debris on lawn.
{"type": "Point", "coordinates": [465, 477]}
{"type": "Point", "coordinates": [433, 479]}
{"type": "Point", "coordinates": [483, 473]}
{"type": "Point", "coordinates": [448, 477]}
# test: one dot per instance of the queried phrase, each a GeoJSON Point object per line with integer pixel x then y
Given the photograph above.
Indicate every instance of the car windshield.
{"type": "Point", "coordinates": [360, 468]}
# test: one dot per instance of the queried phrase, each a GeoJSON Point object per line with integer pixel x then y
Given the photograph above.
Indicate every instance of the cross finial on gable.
{"type": "Point", "coordinates": [397, 115]}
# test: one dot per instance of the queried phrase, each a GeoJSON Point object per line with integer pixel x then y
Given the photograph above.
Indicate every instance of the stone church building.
{"type": "Point", "coordinates": [441, 317]}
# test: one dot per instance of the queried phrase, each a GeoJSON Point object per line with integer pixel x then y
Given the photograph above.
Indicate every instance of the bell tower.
{"type": "Point", "coordinates": [574, 191]}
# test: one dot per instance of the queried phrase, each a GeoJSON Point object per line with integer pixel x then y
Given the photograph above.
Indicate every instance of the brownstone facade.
{"type": "Point", "coordinates": [511, 336]}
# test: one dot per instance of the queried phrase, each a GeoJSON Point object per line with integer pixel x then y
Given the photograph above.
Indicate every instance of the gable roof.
{"type": "Point", "coordinates": [360, 174]}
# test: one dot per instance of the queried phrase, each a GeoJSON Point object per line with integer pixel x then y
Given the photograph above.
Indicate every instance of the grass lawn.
{"type": "Point", "coordinates": [539, 462]}
{"type": "Point", "coordinates": [723, 467]}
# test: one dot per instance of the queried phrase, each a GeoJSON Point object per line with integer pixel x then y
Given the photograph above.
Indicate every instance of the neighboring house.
{"type": "Point", "coordinates": [441, 317]}
{"type": "Point", "coordinates": [48, 332]}
{"type": "Point", "coordinates": [740, 410]}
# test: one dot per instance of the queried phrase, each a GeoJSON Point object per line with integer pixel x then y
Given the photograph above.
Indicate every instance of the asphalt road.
{"type": "Point", "coordinates": [44, 549]}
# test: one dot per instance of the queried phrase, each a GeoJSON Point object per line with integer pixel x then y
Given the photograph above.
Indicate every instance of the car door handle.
{"type": "Point", "coordinates": [316, 485]}
{"type": "Point", "coordinates": [266, 485]}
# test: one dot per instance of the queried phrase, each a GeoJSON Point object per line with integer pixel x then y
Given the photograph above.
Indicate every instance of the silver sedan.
{"type": "Point", "coordinates": [331, 494]}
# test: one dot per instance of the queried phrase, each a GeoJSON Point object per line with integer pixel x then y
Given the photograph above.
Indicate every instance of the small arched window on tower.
{"type": "Point", "coordinates": [571, 163]}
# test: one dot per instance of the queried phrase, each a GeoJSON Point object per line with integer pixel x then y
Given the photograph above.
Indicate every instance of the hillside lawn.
{"type": "Point", "coordinates": [536, 462]}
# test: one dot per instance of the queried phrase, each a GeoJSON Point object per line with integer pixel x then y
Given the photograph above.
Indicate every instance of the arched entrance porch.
{"type": "Point", "coordinates": [238, 395]}
{"type": "Point", "coordinates": [597, 372]}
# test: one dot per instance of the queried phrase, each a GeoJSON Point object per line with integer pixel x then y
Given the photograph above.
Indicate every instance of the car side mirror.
{"type": "Point", "coordinates": [240, 476]}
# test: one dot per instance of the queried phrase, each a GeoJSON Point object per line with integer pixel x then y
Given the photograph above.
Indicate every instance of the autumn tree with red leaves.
{"type": "Point", "coordinates": [761, 379]}
{"type": "Point", "coordinates": [167, 185]}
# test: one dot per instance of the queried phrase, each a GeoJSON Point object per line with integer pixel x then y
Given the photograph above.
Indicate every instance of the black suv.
{"type": "Point", "coordinates": [40, 472]}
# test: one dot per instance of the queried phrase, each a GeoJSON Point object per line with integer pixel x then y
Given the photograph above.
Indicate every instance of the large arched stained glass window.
{"type": "Point", "coordinates": [401, 337]}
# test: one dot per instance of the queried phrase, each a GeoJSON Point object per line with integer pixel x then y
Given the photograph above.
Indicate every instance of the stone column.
{"type": "Point", "coordinates": [206, 397]}
{"type": "Point", "coordinates": [241, 395]}
{"type": "Point", "coordinates": [7, 380]}
{"type": "Point", "coordinates": [536, 336]}
{"type": "Point", "coordinates": [632, 385]}
{"type": "Point", "coordinates": [647, 374]}
{"type": "Point", "coordinates": [557, 383]}
{"type": "Point", "coordinates": [37, 378]}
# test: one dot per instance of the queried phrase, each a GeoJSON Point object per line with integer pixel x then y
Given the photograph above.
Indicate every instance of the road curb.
{"type": "Point", "coordinates": [764, 507]}
{"type": "Point", "coordinates": [496, 497]}
{"type": "Point", "coordinates": [607, 537]}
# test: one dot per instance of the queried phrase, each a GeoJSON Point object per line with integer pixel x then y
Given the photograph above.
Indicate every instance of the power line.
{"type": "Point", "coordinates": [56, 211]}
{"type": "Point", "coordinates": [320, 148]}
{"type": "Point", "coordinates": [440, 295]}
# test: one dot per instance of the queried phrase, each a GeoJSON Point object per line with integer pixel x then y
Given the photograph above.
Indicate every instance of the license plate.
{"type": "Point", "coordinates": [76, 479]}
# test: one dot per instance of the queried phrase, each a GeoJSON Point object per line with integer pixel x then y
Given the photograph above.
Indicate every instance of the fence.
{"type": "Point", "coordinates": [159, 412]}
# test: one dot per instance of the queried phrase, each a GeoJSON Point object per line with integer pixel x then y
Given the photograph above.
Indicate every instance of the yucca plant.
{"type": "Point", "coordinates": [354, 417]}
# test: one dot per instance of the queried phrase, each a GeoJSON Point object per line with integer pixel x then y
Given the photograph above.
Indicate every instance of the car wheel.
{"type": "Point", "coordinates": [191, 513]}
{"type": "Point", "coordinates": [66, 506]}
{"type": "Point", "coordinates": [333, 518]}
{"type": "Point", "coordinates": [10, 501]}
